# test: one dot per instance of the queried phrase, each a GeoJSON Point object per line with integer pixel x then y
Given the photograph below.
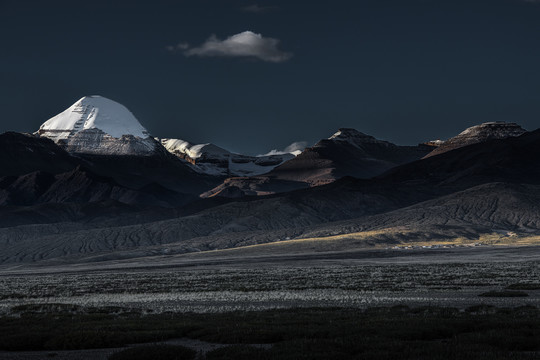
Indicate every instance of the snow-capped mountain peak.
{"type": "Point", "coordinates": [93, 112]}
{"type": "Point", "coordinates": [99, 126]}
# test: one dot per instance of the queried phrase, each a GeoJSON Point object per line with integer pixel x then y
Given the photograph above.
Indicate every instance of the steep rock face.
{"type": "Point", "coordinates": [96, 142]}
{"type": "Point", "coordinates": [477, 134]}
{"type": "Point", "coordinates": [99, 126]}
{"type": "Point", "coordinates": [214, 160]}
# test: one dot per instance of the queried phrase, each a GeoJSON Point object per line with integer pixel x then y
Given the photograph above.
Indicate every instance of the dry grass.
{"type": "Point", "coordinates": [384, 238]}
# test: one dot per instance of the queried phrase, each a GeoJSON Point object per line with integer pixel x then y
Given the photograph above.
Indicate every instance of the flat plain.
{"type": "Point", "coordinates": [234, 303]}
{"type": "Point", "coordinates": [220, 282]}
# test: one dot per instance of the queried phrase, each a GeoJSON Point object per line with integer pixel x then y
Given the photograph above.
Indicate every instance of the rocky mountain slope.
{"type": "Point", "coordinates": [477, 134]}
{"type": "Point", "coordinates": [346, 153]}
{"type": "Point", "coordinates": [24, 153]}
{"type": "Point", "coordinates": [469, 192]}
{"type": "Point", "coordinates": [106, 139]}
{"type": "Point", "coordinates": [214, 160]}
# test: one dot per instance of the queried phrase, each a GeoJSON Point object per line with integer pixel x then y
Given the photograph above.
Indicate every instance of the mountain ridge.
{"type": "Point", "coordinates": [347, 152]}
{"type": "Point", "coordinates": [67, 200]}
{"type": "Point", "coordinates": [211, 159]}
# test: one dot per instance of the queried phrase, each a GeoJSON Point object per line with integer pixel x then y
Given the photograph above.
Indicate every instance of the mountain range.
{"type": "Point", "coordinates": [92, 184]}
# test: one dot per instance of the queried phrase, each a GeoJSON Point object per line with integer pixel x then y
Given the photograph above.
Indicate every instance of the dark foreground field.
{"type": "Point", "coordinates": [425, 304]}
{"type": "Point", "coordinates": [480, 332]}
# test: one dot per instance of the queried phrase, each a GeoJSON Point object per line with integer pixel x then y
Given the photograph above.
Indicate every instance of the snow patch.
{"type": "Point", "coordinates": [178, 146]}
{"type": "Point", "coordinates": [211, 159]}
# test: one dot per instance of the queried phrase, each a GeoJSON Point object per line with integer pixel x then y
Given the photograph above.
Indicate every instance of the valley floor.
{"type": "Point", "coordinates": [233, 280]}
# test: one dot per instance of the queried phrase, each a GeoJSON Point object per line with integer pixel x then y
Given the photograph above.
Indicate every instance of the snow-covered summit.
{"type": "Point", "coordinates": [99, 126]}
{"type": "Point", "coordinates": [93, 112]}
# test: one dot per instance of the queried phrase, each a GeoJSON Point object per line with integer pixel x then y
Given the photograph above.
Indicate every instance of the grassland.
{"type": "Point", "coordinates": [390, 237]}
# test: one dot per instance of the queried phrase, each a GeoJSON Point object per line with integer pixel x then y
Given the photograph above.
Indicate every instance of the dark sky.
{"type": "Point", "coordinates": [402, 70]}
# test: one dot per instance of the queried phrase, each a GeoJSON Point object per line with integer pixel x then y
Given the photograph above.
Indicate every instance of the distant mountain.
{"type": "Point", "coordinates": [346, 153]}
{"type": "Point", "coordinates": [488, 189]}
{"type": "Point", "coordinates": [93, 185]}
{"type": "Point", "coordinates": [107, 139]}
{"type": "Point", "coordinates": [477, 134]}
{"type": "Point", "coordinates": [214, 160]}
{"type": "Point", "coordinates": [94, 152]}
{"type": "Point", "coordinates": [35, 170]}
{"type": "Point", "coordinates": [513, 159]}
{"type": "Point", "coordinates": [95, 125]}
{"type": "Point", "coordinates": [99, 126]}
{"type": "Point", "coordinates": [491, 187]}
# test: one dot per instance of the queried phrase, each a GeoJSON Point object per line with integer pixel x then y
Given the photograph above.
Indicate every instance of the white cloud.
{"type": "Point", "coordinates": [295, 148]}
{"type": "Point", "coordinates": [245, 44]}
